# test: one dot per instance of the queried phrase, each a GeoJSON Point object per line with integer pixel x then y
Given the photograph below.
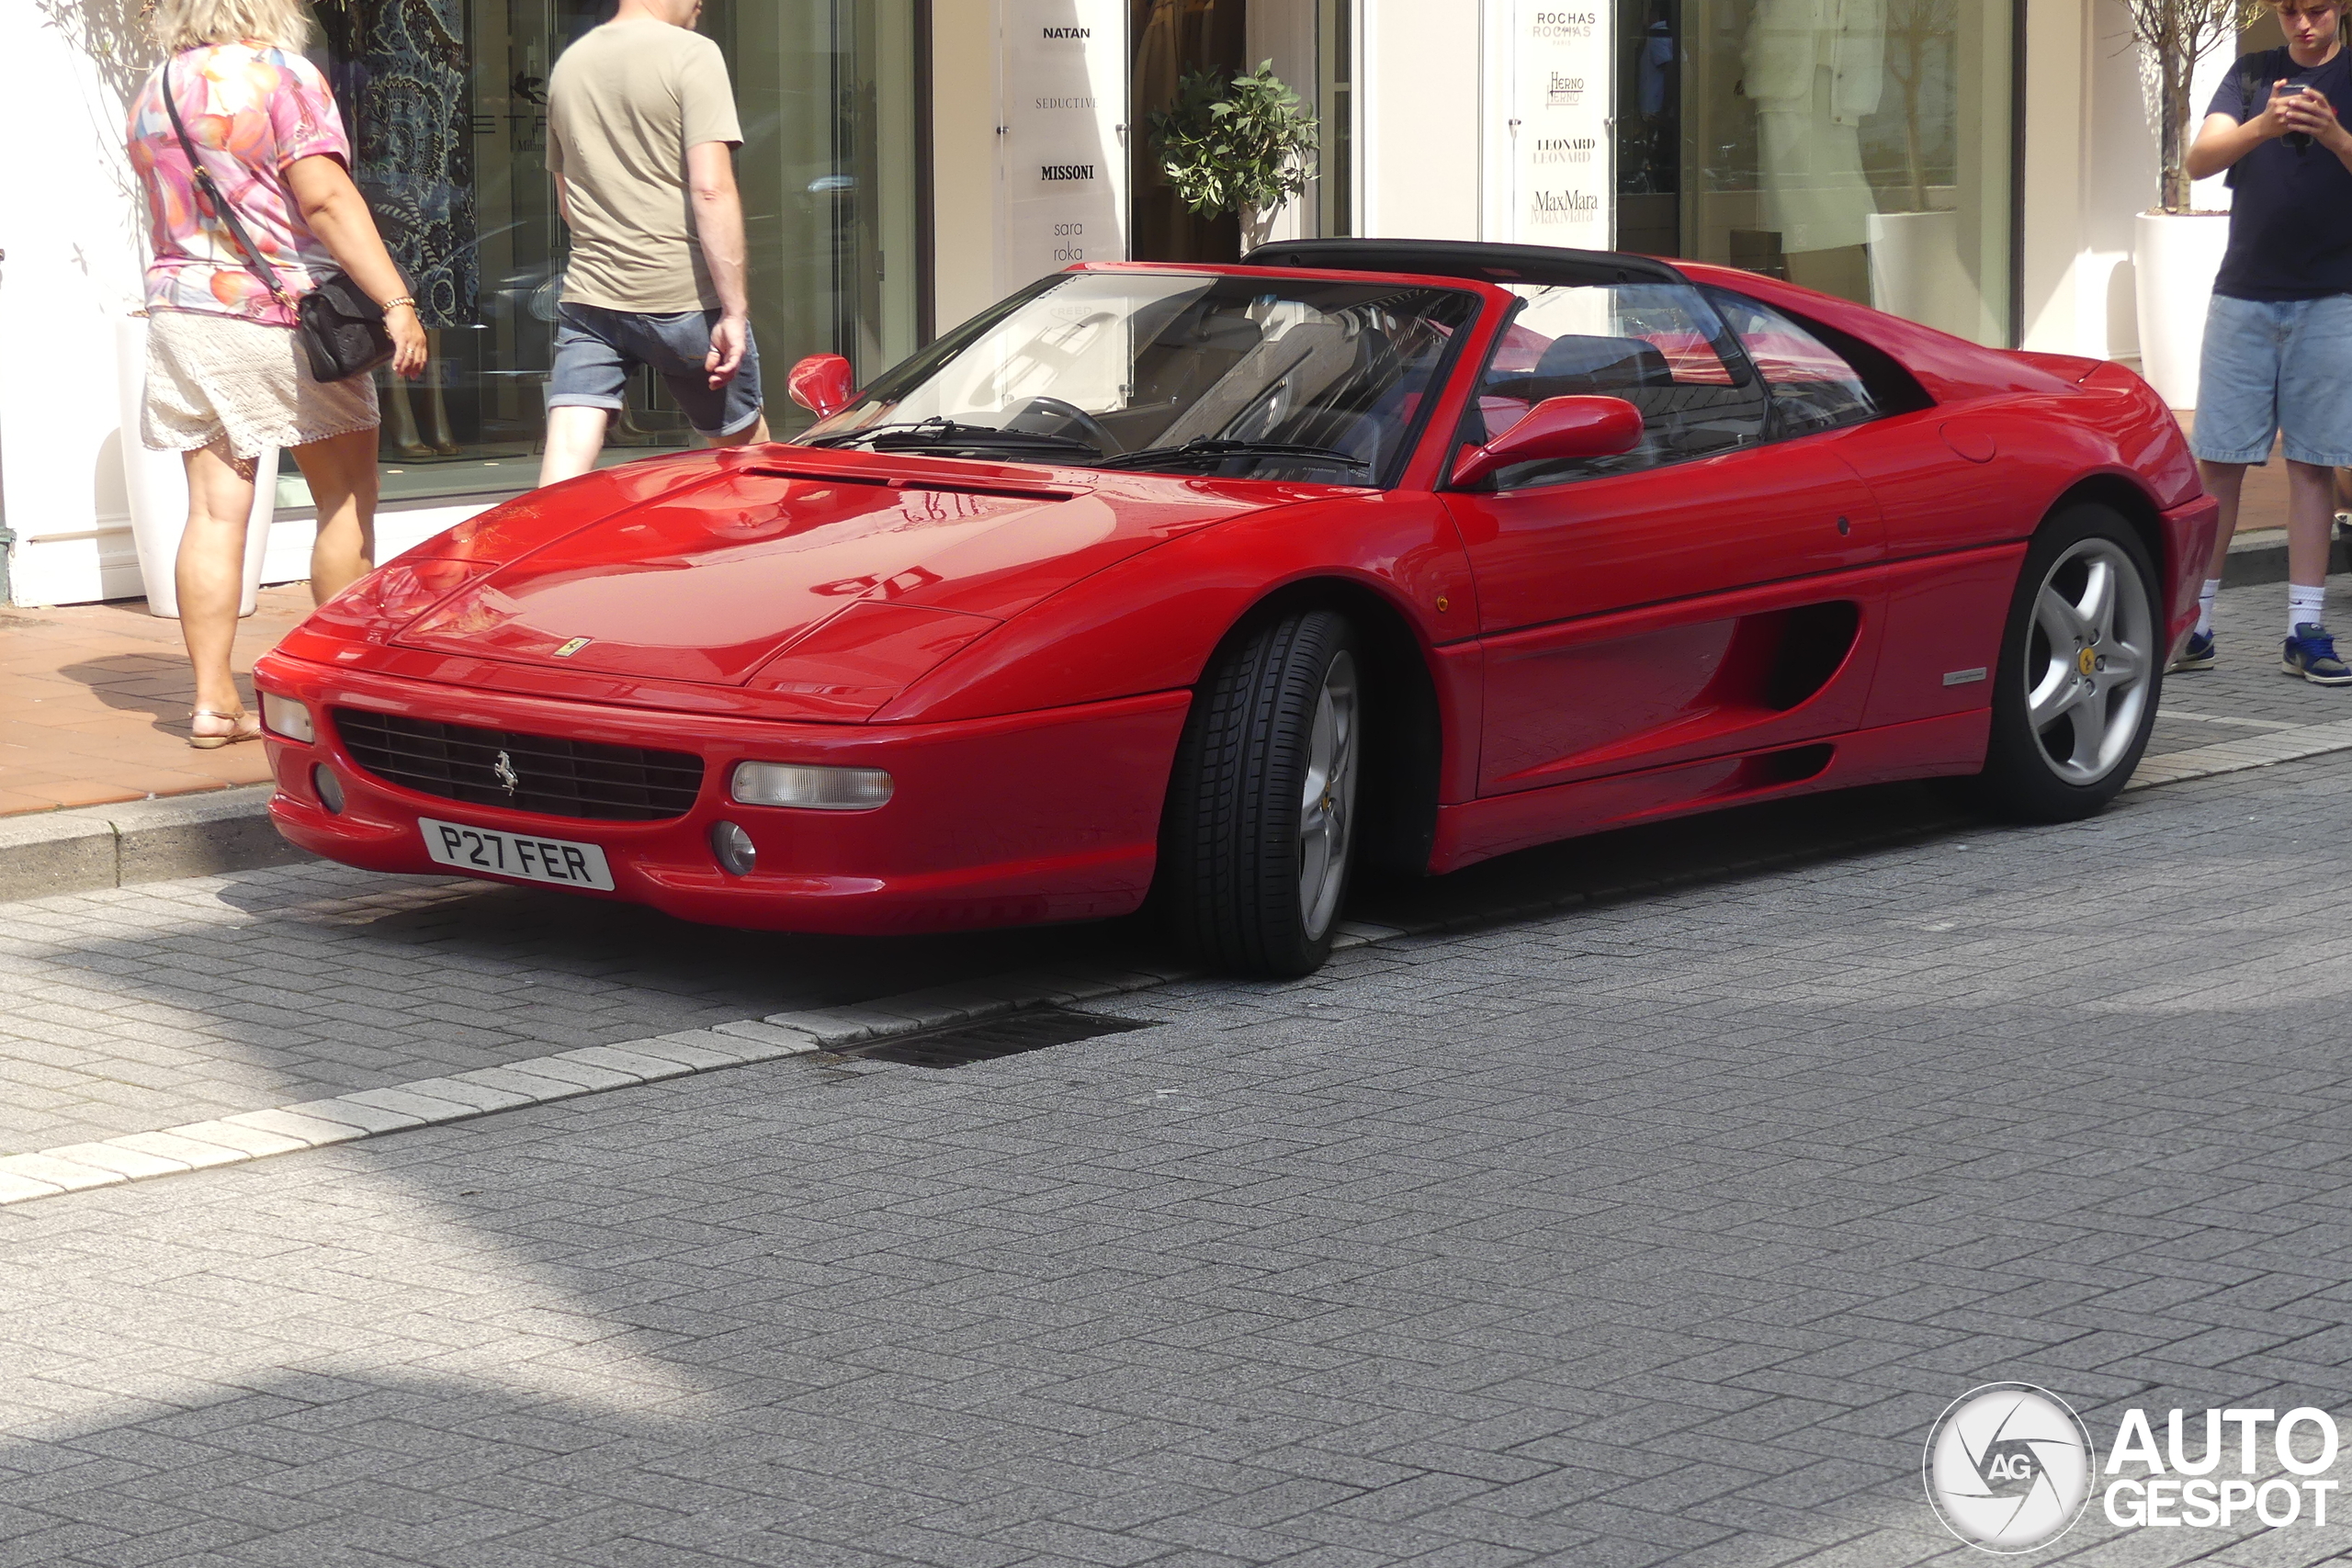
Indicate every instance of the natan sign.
{"type": "Point", "coordinates": [1551, 176]}
{"type": "Point", "coordinates": [1062, 165]}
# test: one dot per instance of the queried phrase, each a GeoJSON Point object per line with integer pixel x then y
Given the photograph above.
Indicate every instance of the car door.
{"type": "Point", "coordinates": [1714, 592]}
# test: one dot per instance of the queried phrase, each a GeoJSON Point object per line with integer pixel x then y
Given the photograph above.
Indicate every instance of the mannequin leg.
{"type": "Point", "coordinates": [437, 434]}
{"type": "Point", "coordinates": [393, 398]}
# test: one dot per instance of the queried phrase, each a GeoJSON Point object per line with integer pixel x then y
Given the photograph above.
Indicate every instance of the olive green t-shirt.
{"type": "Point", "coordinates": [623, 104]}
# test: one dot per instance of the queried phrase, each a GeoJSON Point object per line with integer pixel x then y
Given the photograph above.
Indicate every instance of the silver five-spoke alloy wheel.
{"type": "Point", "coordinates": [2091, 666]}
{"type": "Point", "coordinates": [1328, 806]}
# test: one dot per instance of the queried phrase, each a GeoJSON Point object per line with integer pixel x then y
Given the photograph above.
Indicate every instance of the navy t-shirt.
{"type": "Point", "coordinates": [2290, 214]}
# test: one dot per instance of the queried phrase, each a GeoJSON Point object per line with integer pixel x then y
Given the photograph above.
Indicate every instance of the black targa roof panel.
{"type": "Point", "coordinates": [1467, 258]}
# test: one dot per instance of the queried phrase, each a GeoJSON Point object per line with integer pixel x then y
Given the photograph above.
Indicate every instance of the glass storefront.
{"type": "Point", "coordinates": [1859, 147]}
{"type": "Point", "coordinates": [446, 103]}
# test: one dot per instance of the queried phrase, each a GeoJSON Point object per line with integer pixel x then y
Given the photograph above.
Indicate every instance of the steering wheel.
{"type": "Point", "coordinates": [1070, 413]}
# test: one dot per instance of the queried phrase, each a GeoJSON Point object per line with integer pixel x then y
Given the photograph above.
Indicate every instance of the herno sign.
{"type": "Point", "coordinates": [1062, 171]}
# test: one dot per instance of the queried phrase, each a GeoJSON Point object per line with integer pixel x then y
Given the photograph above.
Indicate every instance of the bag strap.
{"type": "Point", "coordinates": [221, 208]}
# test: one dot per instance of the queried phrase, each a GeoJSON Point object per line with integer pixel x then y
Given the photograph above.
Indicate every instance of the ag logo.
{"type": "Point", "coordinates": [2008, 1467]}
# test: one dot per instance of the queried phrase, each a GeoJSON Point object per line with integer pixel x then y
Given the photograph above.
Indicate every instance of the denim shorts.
{"type": "Point", "coordinates": [596, 349]}
{"type": "Point", "coordinates": [2271, 366]}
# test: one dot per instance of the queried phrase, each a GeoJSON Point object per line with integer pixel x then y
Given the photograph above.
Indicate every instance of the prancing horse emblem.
{"type": "Point", "coordinates": [503, 771]}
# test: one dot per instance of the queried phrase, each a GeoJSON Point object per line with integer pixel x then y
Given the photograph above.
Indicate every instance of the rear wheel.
{"type": "Point", "coordinates": [2081, 671]}
{"type": "Point", "coordinates": [1261, 826]}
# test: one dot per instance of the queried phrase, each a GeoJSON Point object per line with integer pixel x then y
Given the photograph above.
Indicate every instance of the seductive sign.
{"type": "Point", "coordinates": [1552, 180]}
{"type": "Point", "coordinates": [1062, 163]}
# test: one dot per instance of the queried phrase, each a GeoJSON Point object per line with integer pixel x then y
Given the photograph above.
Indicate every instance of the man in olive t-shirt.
{"type": "Point", "coordinates": [642, 136]}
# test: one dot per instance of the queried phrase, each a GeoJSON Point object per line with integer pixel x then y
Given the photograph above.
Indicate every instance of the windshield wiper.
{"type": "Point", "coordinates": [921, 433]}
{"type": "Point", "coordinates": [1215, 449]}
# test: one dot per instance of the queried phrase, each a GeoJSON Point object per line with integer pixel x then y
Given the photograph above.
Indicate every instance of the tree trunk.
{"type": "Point", "coordinates": [2174, 146]}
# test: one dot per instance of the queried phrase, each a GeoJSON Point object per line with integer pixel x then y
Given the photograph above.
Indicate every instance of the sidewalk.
{"type": "Point", "coordinates": [93, 702]}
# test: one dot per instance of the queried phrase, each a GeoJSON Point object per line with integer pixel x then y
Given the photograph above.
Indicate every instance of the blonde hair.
{"type": "Point", "coordinates": [190, 23]}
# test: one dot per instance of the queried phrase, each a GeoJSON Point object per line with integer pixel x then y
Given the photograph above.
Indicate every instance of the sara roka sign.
{"type": "Point", "coordinates": [1062, 155]}
{"type": "Point", "coordinates": [1550, 175]}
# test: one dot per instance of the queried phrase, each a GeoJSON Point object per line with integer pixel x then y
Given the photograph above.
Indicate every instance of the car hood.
{"type": "Point", "coordinates": [819, 552]}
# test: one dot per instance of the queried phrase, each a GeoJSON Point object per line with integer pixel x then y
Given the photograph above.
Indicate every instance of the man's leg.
{"type": "Point", "coordinates": [751, 434]}
{"type": "Point", "coordinates": [2225, 482]}
{"type": "Point", "coordinates": [2315, 410]}
{"type": "Point", "coordinates": [2311, 513]}
{"type": "Point", "coordinates": [575, 437]}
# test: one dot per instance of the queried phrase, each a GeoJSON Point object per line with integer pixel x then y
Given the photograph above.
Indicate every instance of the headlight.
{"type": "Point", "coordinates": [285, 716]}
{"type": "Point", "coordinates": [811, 789]}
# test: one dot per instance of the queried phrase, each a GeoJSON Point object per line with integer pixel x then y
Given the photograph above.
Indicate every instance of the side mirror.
{"type": "Point", "coordinates": [823, 383]}
{"type": "Point", "coordinates": [1557, 430]}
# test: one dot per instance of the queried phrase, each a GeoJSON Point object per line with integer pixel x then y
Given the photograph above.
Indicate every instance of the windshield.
{"type": "Point", "coordinates": [1260, 378]}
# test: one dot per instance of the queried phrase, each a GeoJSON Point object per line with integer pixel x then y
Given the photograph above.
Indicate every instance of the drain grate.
{"type": "Point", "coordinates": [992, 1038]}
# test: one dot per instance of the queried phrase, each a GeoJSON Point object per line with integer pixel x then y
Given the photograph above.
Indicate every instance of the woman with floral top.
{"type": "Point", "coordinates": [225, 374]}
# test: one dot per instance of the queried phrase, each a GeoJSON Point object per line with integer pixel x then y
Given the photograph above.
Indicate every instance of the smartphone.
{"type": "Point", "coordinates": [2299, 141]}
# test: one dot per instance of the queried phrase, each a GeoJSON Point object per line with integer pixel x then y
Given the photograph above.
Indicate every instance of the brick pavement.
{"type": "Point", "coordinates": [93, 702]}
{"type": "Point", "coordinates": [1654, 1232]}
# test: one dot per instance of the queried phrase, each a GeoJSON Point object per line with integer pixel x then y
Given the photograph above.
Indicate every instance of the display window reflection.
{"type": "Point", "coordinates": [446, 101]}
{"type": "Point", "coordinates": [1860, 147]}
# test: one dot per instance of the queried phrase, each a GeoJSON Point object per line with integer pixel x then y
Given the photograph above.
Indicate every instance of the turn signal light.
{"type": "Point", "coordinates": [810, 789]}
{"type": "Point", "coordinates": [285, 716]}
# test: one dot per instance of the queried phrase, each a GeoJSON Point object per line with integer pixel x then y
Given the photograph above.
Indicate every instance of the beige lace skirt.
{"type": "Point", "coordinates": [223, 378]}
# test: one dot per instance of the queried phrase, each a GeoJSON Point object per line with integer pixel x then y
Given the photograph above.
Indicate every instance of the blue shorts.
{"type": "Point", "coordinates": [2273, 365]}
{"type": "Point", "coordinates": [596, 349]}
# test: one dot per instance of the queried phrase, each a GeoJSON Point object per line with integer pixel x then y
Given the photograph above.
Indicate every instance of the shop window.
{"type": "Point", "coordinates": [1660, 346]}
{"type": "Point", "coordinates": [446, 102]}
{"type": "Point", "coordinates": [1859, 147]}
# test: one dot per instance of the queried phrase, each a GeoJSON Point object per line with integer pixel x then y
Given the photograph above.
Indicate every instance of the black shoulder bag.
{"type": "Point", "coordinates": [342, 329]}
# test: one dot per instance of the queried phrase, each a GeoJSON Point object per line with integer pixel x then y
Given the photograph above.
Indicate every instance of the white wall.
{"type": "Point", "coordinates": [1420, 119]}
{"type": "Point", "coordinates": [68, 223]}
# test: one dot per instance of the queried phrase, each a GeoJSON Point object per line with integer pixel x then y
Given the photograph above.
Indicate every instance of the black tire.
{"type": "Point", "coordinates": [2053, 771]}
{"type": "Point", "coordinates": [1238, 839]}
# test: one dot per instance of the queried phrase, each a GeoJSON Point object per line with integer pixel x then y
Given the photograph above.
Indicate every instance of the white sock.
{"type": "Point", "coordinates": [2305, 607]}
{"type": "Point", "coordinates": [2205, 606]}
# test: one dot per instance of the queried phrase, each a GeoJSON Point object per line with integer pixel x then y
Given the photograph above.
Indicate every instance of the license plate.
{"type": "Point", "coordinates": [559, 863]}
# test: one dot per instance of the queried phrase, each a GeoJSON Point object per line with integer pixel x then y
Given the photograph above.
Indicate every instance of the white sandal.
{"type": "Point", "coordinates": [243, 726]}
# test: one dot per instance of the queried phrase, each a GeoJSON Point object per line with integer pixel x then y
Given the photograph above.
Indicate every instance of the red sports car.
{"type": "Point", "coordinates": [1209, 583]}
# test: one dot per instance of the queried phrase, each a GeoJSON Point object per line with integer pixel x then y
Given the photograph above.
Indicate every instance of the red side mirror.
{"type": "Point", "coordinates": [1557, 430]}
{"type": "Point", "coordinates": [823, 383]}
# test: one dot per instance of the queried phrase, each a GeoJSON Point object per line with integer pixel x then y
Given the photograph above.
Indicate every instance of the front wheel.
{"type": "Point", "coordinates": [1261, 825]}
{"type": "Point", "coordinates": [2082, 667]}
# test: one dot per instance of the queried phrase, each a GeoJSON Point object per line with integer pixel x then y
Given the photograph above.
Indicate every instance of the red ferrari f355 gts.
{"type": "Point", "coordinates": [1212, 584]}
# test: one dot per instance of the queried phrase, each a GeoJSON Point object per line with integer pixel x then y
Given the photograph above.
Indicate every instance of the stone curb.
{"type": "Point", "coordinates": [91, 847]}
{"type": "Point", "coordinates": [2263, 559]}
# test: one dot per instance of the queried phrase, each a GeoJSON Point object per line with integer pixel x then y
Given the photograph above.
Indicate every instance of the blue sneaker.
{"type": "Point", "coordinates": [2197, 655]}
{"type": "Point", "coordinates": [2311, 653]}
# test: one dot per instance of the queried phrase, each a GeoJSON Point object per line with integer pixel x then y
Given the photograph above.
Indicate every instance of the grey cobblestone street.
{"type": "Point", "coordinates": [1656, 1230]}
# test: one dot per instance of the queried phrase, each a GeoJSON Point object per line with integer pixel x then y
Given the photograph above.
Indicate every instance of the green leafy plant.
{"type": "Point", "coordinates": [1236, 143]}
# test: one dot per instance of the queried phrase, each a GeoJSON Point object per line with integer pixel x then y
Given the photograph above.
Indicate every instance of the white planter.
{"type": "Point", "coordinates": [157, 485]}
{"type": "Point", "coordinates": [2175, 257]}
{"type": "Point", "coordinates": [1915, 271]}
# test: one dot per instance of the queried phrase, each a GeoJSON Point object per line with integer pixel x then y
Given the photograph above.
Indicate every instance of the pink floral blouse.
{"type": "Point", "coordinates": [252, 110]}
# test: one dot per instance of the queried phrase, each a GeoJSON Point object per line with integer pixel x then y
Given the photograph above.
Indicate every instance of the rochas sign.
{"type": "Point", "coordinates": [2009, 1468]}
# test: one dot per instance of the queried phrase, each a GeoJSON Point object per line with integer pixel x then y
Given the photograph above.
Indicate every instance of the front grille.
{"type": "Point", "coordinates": [558, 778]}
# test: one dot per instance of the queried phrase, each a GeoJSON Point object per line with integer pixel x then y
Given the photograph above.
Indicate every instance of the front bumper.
{"type": "Point", "coordinates": [1029, 818]}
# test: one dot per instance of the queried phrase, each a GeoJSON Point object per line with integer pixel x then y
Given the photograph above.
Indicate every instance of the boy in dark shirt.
{"type": "Point", "coordinates": [2278, 335]}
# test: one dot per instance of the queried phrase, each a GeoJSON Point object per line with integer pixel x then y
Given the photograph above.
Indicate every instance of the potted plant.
{"type": "Point", "coordinates": [1243, 144]}
{"type": "Point", "coordinates": [2178, 250]}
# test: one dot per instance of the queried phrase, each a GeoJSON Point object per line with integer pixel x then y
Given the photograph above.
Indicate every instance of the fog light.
{"type": "Point", "coordinates": [328, 787]}
{"type": "Point", "coordinates": [285, 716]}
{"type": "Point", "coordinates": [811, 789]}
{"type": "Point", "coordinates": [736, 854]}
